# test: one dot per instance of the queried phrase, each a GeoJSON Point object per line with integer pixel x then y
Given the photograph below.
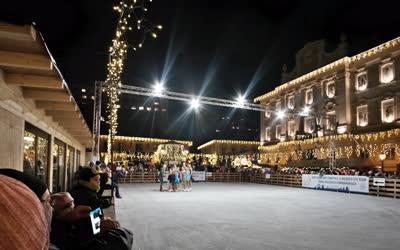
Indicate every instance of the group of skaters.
{"type": "Point", "coordinates": [179, 178]}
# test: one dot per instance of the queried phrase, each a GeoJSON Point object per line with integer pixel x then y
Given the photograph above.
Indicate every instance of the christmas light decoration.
{"type": "Point", "coordinates": [371, 144]}
{"type": "Point", "coordinates": [131, 13]}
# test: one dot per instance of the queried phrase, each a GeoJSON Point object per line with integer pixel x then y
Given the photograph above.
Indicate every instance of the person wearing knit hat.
{"type": "Point", "coordinates": [37, 186]}
{"type": "Point", "coordinates": [23, 224]}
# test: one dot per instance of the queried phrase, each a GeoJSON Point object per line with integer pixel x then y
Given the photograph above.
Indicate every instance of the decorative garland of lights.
{"type": "Point", "coordinates": [298, 150]}
{"type": "Point", "coordinates": [228, 142]}
{"type": "Point", "coordinates": [131, 14]}
{"type": "Point", "coordinates": [146, 140]}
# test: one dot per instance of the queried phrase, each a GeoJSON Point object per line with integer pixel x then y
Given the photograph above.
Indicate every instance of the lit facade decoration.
{"type": "Point", "coordinates": [362, 115]}
{"type": "Point", "coordinates": [330, 89]}
{"type": "Point", "coordinates": [345, 99]}
{"type": "Point", "coordinates": [361, 81]}
{"type": "Point", "coordinates": [387, 72]}
{"type": "Point", "coordinates": [290, 102]}
{"type": "Point", "coordinates": [388, 110]}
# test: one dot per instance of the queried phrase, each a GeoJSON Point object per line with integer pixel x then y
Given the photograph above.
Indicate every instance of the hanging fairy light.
{"type": "Point", "coordinates": [131, 13]}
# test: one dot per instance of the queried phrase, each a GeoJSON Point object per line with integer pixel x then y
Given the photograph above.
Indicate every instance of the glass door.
{"type": "Point", "coordinates": [58, 166]}
{"type": "Point", "coordinates": [70, 166]}
{"type": "Point", "coordinates": [36, 153]}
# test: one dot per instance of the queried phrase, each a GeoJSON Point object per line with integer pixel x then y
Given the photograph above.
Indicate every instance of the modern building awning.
{"type": "Point", "coordinates": [33, 80]}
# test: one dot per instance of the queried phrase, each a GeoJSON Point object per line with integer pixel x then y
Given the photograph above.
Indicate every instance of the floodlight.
{"type": "Point", "coordinates": [280, 114]}
{"type": "Point", "coordinates": [158, 88]}
{"type": "Point", "coordinates": [240, 100]}
{"type": "Point", "coordinates": [194, 104]}
{"type": "Point", "coordinates": [306, 111]}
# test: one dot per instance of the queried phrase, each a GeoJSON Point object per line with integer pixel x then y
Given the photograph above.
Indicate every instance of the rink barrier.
{"type": "Point", "coordinates": [391, 189]}
{"type": "Point", "coordinates": [139, 177]}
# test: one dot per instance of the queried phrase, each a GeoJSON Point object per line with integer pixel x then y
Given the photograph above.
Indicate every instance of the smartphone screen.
{"type": "Point", "coordinates": [95, 219]}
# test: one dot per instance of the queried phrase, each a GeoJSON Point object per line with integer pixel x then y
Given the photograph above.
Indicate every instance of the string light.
{"type": "Point", "coordinates": [128, 16]}
{"type": "Point", "coordinates": [371, 144]}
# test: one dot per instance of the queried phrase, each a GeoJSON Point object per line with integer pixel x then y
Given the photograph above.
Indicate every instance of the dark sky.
{"type": "Point", "coordinates": [216, 48]}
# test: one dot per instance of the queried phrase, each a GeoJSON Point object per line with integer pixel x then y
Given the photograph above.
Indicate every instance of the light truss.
{"type": "Point", "coordinates": [134, 90]}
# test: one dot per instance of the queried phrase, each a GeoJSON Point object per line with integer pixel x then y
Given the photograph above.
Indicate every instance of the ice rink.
{"type": "Point", "coordinates": [254, 216]}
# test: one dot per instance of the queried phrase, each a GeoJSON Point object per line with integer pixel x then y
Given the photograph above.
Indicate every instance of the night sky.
{"type": "Point", "coordinates": [214, 48]}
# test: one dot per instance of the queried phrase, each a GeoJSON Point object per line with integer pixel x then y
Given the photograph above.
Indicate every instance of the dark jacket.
{"type": "Point", "coordinates": [64, 237]}
{"type": "Point", "coordinates": [85, 196]}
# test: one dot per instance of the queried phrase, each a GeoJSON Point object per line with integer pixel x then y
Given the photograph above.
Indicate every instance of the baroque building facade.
{"type": "Point", "coordinates": [346, 112]}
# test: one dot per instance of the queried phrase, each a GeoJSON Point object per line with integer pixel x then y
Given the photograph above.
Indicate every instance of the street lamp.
{"type": "Point", "coordinates": [382, 157]}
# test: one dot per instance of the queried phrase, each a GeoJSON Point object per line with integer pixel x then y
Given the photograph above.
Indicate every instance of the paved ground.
{"type": "Point", "coordinates": [254, 216]}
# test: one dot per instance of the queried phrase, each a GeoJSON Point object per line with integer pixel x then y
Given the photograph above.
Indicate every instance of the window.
{"type": "Point", "coordinates": [58, 166]}
{"type": "Point", "coordinates": [361, 81]}
{"type": "Point", "coordinates": [29, 153]}
{"type": "Point", "coordinates": [309, 124]}
{"type": "Point", "coordinates": [268, 134]}
{"type": "Point", "coordinates": [387, 73]}
{"type": "Point", "coordinates": [291, 128]}
{"type": "Point", "coordinates": [309, 96]}
{"type": "Point", "coordinates": [388, 110]}
{"type": "Point", "coordinates": [278, 132]}
{"type": "Point", "coordinates": [278, 105]}
{"type": "Point", "coordinates": [290, 103]}
{"type": "Point", "coordinates": [330, 89]}
{"type": "Point", "coordinates": [362, 116]}
{"type": "Point", "coordinates": [36, 152]}
{"type": "Point", "coordinates": [330, 121]}
{"type": "Point", "coordinates": [70, 166]}
{"type": "Point", "coordinates": [268, 112]}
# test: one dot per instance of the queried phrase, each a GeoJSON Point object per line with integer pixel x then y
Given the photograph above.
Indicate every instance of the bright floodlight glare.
{"type": "Point", "coordinates": [240, 100]}
{"type": "Point", "coordinates": [194, 104]}
{"type": "Point", "coordinates": [158, 88]}
{"type": "Point", "coordinates": [306, 110]}
{"type": "Point", "coordinates": [280, 114]}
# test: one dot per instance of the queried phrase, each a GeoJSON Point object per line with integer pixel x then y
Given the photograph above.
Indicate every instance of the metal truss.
{"type": "Point", "coordinates": [133, 90]}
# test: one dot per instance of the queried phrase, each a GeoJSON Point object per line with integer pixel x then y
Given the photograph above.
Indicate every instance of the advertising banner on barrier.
{"type": "Point", "coordinates": [341, 183]}
{"type": "Point", "coordinates": [199, 175]}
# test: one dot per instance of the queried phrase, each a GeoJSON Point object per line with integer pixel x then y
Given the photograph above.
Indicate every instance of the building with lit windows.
{"type": "Point", "coordinates": [130, 147]}
{"type": "Point", "coordinates": [229, 147]}
{"type": "Point", "coordinates": [346, 110]}
{"type": "Point", "coordinates": [42, 129]}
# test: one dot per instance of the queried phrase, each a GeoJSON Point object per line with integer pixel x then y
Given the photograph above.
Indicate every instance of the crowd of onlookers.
{"type": "Point", "coordinates": [340, 171]}
{"type": "Point", "coordinates": [33, 218]}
